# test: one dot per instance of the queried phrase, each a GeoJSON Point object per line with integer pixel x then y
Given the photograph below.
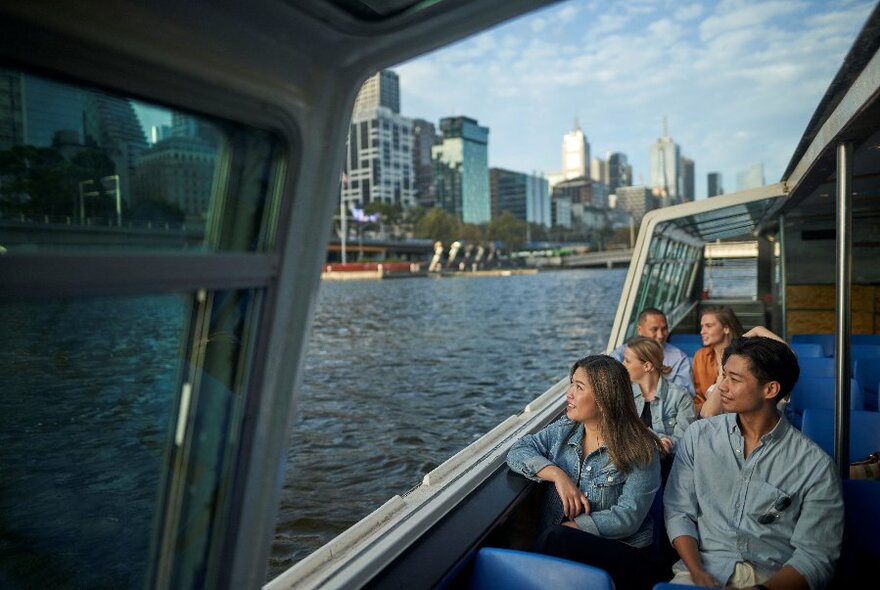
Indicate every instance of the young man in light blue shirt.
{"type": "Point", "coordinates": [652, 324]}
{"type": "Point", "coordinates": [752, 502]}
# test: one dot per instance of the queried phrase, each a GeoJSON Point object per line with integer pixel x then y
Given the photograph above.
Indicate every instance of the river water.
{"type": "Point", "coordinates": [401, 374]}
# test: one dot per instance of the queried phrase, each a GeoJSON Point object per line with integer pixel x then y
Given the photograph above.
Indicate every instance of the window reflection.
{"type": "Point", "coordinates": [82, 167]}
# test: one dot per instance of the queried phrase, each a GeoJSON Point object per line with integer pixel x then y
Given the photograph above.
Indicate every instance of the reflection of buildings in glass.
{"type": "Point", "coordinates": [111, 124]}
{"type": "Point", "coordinates": [461, 170]}
{"type": "Point", "coordinates": [379, 162]}
{"type": "Point", "coordinates": [180, 171]}
{"type": "Point", "coordinates": [52, 107]}
{"type": "Point", "coordinates": [526, 196]}
{"type": "Point", "coordinates": [11, 109]}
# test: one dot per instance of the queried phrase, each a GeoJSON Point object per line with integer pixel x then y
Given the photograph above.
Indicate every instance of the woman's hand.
{"type": "Point", "coordinates": [573, 500]}
{"type": "Point", "coordinates": [665, 445]}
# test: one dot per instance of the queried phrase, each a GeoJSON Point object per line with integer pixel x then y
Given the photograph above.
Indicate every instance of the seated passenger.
{"type": "Point", "coordinates": [665, 408]}
{"type": "Point", "coordinates": [750, 501]}
{"type": "Point", "coordinates": [652, 324]}
{"type": "Point", "coordinates": [718, 326]}
{"type": "Point", "coordinates": [604, 465]}
{"type": "Point", "coordinates": [712, 404]}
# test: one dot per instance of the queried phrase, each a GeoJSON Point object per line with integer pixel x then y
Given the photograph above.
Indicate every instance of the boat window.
{"type": "Point", "coordinates": [142, 242]}
{"type": "Point", "coordinates": [86, 169]}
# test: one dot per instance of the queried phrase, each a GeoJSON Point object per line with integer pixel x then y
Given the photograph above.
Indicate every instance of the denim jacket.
{"type": "Point", "coordinates": [619, 502]}
{"type": "Point", "coordinates": [672, 410]}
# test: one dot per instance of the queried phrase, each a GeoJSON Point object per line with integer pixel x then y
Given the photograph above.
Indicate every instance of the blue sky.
{"type": "Point", "coordinates": [738, 80]}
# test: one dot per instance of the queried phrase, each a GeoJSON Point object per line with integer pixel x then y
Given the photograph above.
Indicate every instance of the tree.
{"type": "Point", "coordinates": [438, 225]}
{"type": "Point", "coordinates": [509, 230]}
{"type": "Point", "coordinates": [472, 233]}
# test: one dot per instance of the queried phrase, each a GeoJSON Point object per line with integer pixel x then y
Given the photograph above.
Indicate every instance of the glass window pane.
{"type": "Point", "coordinates": [87, 413]}
{"type": "Point", "coordinates": [82, 168]}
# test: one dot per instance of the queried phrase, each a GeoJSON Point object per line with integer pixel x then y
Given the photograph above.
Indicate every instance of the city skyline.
{"type": "Point", "coordinates": [737, 80]}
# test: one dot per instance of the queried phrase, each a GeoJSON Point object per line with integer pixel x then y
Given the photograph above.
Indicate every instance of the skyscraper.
{"type": "Point", "coordinates": [424, 138]}
{"type": "Point", "coordinates": [619, 171]}
{"type": "Point", "coordinates": [575, 153]}
{"type": "Point", "coordinates": [688, 189]}
{"type": "Point", "coordinates": [637, 200]}
{"type": "Point", "coordinates": [751, 177]}
{"type": "Point", "coordinates": [379, 162]}
{"type": "Point", "coordinates": [666, 169]}
{"type": "Point", "coordinates": [382, 89]}
{"type": "Point", "coordinates": [526, 196]}
{"type": "Point", "coordinates": [461, 170]}
{"type": "Point", "coordinates": [714, 187]}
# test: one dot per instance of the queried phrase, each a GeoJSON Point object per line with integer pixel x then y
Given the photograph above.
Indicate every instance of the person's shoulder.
{"type": "Point", "coordinates": [714, 426]}
{"type": "Point", "coordinates": [807, 449]}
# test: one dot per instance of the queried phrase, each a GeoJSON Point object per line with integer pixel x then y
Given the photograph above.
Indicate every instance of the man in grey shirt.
{"type": "Point", "coordinates": [652, 324]}
{"type": "Point", "coordinates": [752, 502]}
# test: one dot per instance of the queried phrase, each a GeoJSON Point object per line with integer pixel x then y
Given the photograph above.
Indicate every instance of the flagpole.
{"type": "Point", "coordinates": [344, 227]}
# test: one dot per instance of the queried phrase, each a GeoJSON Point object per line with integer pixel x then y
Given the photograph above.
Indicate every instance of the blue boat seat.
{"type": "Point", "coordinates": [816, 366]}
{"type": "Point", "coordinates": [867, 373]}
{"type": "Point", "coordinates": [826, 340]}
{"type": "Point", "coordinates": [818, 392]}
{"type": "Point", "coordinates": [689, 348]}
{"type": "Point", "coordinates": [864, 431]}
{"type": "Point", "coordinates": [670, 586]}
{"type": "Point", "coordinates": [505, 569]}
{"type": "Point", "coordinates": [865, 339]}
{"type": "Point", "coordinates": [677, 339]}
{"type": "Point", "coordinates": [807, 349]}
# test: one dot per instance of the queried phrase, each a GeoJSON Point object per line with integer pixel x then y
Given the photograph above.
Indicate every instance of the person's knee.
{"type": "Point", "coordinates": [552, 539]}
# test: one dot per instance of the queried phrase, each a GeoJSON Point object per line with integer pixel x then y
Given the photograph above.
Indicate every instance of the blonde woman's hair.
{"type": "Point", "coordinates": [648, 350]}
{"type": "Point", "coordinates": [630, 443]}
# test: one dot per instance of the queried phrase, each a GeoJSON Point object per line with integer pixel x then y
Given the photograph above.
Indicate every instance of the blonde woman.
{"type": "Point", "coordinates": [664, 407]}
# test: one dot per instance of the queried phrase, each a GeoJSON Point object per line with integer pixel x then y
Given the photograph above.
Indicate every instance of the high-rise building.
{"type": "Point", "coordinates": [688, 188]}
{"type": "Point", "coordinates": [382, 89]}
{"type": "Point", "coordinates": [379, 162]}
{"type": "Point", "coordinates": [751, 177]}
{"type": "Point", "coordinates": [424, 138]}
{"type": "Point", "coordinates": [575, 153]}
{"type": "Point", "coordinates": [526, 196]}
{"type": "Point", "coordinates": [637, 200]}
{"type": "Point", "coordinates": [599, 170]}
{"type": "Point", "coordinates": [619, 171]}
{"type": "Point", "coordinates": [461, 170]}
{"type": "Point", "coordinates": [714, 187]}
{"type": "Point", "coordinates": [666, 169]}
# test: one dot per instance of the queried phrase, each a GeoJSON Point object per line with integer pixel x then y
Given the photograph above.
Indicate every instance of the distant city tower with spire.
{"type": "Point", "coordinates": [575, 153]}
{"type": "Point", "coordinates": [666, 170]}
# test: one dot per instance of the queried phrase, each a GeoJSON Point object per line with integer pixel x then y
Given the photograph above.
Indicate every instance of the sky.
{"type": "Point", "coordinates": [737, 80]}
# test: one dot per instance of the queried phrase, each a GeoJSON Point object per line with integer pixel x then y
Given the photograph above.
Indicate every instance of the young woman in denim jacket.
{"type": "Point", "coordinates": [604, 465]}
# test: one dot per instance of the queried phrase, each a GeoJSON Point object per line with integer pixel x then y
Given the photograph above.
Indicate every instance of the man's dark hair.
{"type": "Point", "coordinates": [769, 360]}
{"type": "Point", "coordinates": [649, 311]}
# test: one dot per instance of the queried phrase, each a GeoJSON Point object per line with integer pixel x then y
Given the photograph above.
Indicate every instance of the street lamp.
{"type": "Point", "coordinates": [114, 178]}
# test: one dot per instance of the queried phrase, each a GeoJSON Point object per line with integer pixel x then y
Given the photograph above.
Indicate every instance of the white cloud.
{"type": "Point", "coordinates": [738, 80]}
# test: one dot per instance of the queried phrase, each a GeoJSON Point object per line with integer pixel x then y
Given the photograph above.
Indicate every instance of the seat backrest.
{"type": "Point", "coordinates": [826, 340]}
{"type": "Point", "coordinates": [865, 339]}
{"type": "Point", "coordinates": [677, 339]}
{"type": "Point", "coordinates": [689, 348]}
{"type": "Point", "coordinates": [502, 569]}
{"type": "Point", "coordinates": [816, 366]}
{"type": "Point", "coordinates": [858, 351]}
{"type": "Point", "coordinates": [818, 392]}
{"type": "Point", "coordinates": [860, 553]}
{"type": "Point", "coordinates": [808, 349]}
{"type": "Point", "coordinates": [864, 431]}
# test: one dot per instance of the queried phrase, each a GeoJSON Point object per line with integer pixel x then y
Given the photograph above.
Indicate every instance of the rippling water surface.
{"type": "Point", "coordinates": [401, 374]}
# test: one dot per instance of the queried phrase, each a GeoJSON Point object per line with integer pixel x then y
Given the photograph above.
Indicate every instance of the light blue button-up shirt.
{"type": "Point", "coordinates": [675, 359]}
{"type": "Point", "coordinates": [717, 497]}
{"type": "Point", "coordinates": [619, 502]}
{"type": "Point", "coordinates": [672, 410]}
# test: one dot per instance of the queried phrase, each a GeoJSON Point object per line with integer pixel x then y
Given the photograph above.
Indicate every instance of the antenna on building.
{"type": "Point", "coordinates": [577, 124]}
{"type": "Point", "coordinates": [665, 130]}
